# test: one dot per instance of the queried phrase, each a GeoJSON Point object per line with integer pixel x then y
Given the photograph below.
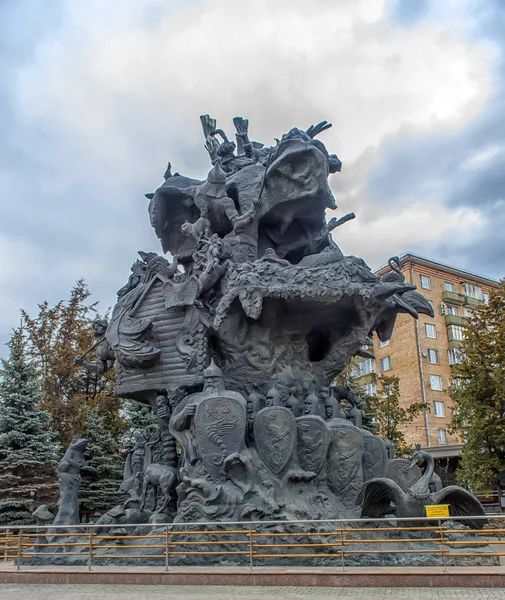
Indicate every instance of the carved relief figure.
{"type": "Point", "coordinates": [273, 397]}
{"type": "Point", "coordinates": [69, 477]}
{"type": "Point", "coordinates": [104, 355]}
{"type": "Point", "coordinates": [311, 405]}
{"type": "Point", "coordinates": [163, 415]}
{"type": "Point", "coordinates": [161, 477]}
{"type": "Point", "coordinates": [134, 463]}
{"type": "Point", "coordinates": [211, 425]}
{"type": "Point", "coordinates": [253, 407]}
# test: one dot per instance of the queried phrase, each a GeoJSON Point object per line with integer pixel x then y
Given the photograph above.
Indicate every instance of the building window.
{"type": "Point", "coordinates": [451, 310]}
{"type": "Point", "coordinates": [433, 357]}
{"type": "Point", "coordinates": [371, 389]}
{"type": "Point", "coordinates": [442, 436]}
{"type": "Point", "coordinates": [388, 389]}
{"type": "Point", "coordinates": [382, 344]}
{"type": "Point", "coordinates": [455, 332]}
{"type": "Point", "coordinates": [454, 356]}
{"type": "Point", "coordinates": [436, 382]}
{"type": "Point", "coordinates": [431, 330]}
{"type": "Point", "coordinates": [485, 297]}
{"type": "Point", "coordinates": [425, 282]}
{"type": "Point", "coordinates": [439, 408]}
{"type": "Point", "coordinates": [385, 364]}
{"type": "Point", "coordinates": [474, 291]}
{"type": "Point", "coordinates": [449, 287]}
{"type": "Point", "coordinates": [364, 367]}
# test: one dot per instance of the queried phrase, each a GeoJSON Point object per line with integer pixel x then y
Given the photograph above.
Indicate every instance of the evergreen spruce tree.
{"type": "Point", "coordinates": [28, 447]}
{"type": "Point", "coordinates": [137, 417]}
{"type": "Point", "coordinates": [102, 473]}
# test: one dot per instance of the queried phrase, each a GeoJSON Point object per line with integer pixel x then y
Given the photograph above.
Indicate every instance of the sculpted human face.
{"type": "Point", "coordinates": [328, 410]}
{"type": "Point", "coordinates": [272, 398]}
{"type": "Point", "coordinates": [99, 329]}
{"type": "Point", "coordinates": [307, 410]}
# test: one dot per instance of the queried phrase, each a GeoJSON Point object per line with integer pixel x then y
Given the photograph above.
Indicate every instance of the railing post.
{"type": "Point", "coordinates": [20, 546]}
{"type": "Point", "coordinates": [342, 548]}
{"type": "Point", "coordinates": [443, 545]}
{"type": "Point", "coordinates": [166, 548]}
{"type": "Point", "coordinates": [90, 548]}
{"type": "Point", "coordinates": [250, 551]}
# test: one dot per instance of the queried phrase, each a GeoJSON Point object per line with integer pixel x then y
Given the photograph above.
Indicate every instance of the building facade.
{"type": "Point", "coordinates": [421, 352]}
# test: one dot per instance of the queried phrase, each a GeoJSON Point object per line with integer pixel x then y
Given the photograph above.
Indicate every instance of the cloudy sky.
{"type": "Point", "coordinates": [96, 96]}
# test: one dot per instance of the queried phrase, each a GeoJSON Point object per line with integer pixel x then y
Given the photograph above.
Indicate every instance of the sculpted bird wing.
{"type": "Point", "coordinates": [462, 503]}
{"type": "Point", "coordinates": [376, 496]}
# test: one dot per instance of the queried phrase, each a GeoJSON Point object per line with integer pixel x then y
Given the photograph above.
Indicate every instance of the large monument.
{"type": "Point", "coordinates": [236, 341]}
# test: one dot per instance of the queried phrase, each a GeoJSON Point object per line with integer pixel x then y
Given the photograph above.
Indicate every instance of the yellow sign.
{"type": "Point", "coordinates": [437, 510]}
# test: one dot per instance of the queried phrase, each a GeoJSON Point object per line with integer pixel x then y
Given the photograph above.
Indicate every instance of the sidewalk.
{"type": "Point", "coordinates": [191, 592]}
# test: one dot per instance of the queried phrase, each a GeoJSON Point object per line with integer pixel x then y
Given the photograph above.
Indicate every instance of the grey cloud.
{"type": "Point", "coordinates": [458, 169]}
{"type": "Point", "coordinates": [484, 255]}
{"type": "Point", "coordinates": [96, 100]}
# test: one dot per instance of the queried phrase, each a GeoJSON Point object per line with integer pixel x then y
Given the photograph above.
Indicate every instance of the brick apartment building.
{"type": "Point", "coordinates": [421, 352]}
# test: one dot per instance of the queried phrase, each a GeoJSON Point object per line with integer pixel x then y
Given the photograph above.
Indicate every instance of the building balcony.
{"type": "Point", "coordinates": [469, 301]}
{"type": "Point", "coordinates": [369, 378]}
{"type": "Point", "coordinates": [445, 451]}
{"type": "Point", "coordinates": [454, 343]}
{"type": "Point", "coordinates": [453, 298]}
{"type": "Point", "coordinates": [454, 320]}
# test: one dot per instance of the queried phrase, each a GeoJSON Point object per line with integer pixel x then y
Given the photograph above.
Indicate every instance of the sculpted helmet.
{"type": "Point", "coordinates": [213, 379]}
{"type": "Point", "coordinates": [215, 186]}
{"type": "Point", "coordinates": [273, 397]}
{"type": "Point", "coordinates": [293, 404]}
{"type": "Point", "coordinates": [254, 402]}
{"type": "Point", "coordinates": [213, 371]}
{"type": "Point", "coordinates": [313, 401]}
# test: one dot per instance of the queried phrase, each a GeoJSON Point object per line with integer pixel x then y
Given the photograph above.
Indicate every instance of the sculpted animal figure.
{"type": "Point", "coordinates": [200, 228]}
{"type": "Point", "coordinates": [159, 476]}
{"type": "Point", "coordinates": [377, 495]}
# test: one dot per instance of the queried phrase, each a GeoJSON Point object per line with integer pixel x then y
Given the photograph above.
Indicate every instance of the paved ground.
{"type": "Point", "coordinates": [189, 592]}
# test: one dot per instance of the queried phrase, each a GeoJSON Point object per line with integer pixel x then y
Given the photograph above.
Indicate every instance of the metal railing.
{"type": "Point", "coordinates": [339, 543]}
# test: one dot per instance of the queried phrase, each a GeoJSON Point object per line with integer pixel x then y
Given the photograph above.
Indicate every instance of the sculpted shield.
{"type": "Point", "coordinates": [401, 472]}
{"type": "Point", "coordinates": [275, 436]}
{"type": "Point", "coordinates": [374, 456]}
{"type": "Point", "coordinates": [343, 466]}
{"type": "Point", "coordinates": [313, 437]}
{"type": "Point", "coordinates": [220, 429]}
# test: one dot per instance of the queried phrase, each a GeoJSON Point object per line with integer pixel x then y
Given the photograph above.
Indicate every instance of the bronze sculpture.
{"type": "Point", "coordinates": [237, 341]}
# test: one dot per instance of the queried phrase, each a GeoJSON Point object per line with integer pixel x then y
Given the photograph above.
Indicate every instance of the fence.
{"type": "Point", "coordinates": [492, 502]}
{"type": "Point", "coordinates": [340, 543]}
